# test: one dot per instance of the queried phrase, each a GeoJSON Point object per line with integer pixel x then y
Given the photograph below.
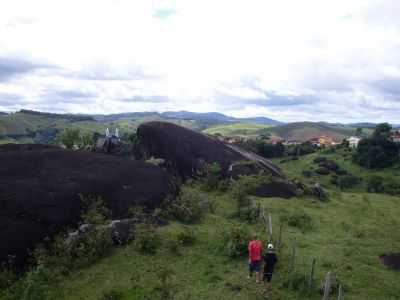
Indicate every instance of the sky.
{"type": "Point", "coordinates": [308, 60]}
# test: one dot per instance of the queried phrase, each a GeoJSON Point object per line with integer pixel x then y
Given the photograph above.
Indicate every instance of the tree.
{"type": "Point", "coordinates": [376, 152]}
{"type": "Point", "coordinates": [359, 132]}
{"type": "Point", "coordinates": [382, 130]}
{"type": "Point", "coordinates": [69, 137]}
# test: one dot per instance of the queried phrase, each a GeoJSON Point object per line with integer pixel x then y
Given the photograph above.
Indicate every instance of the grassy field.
{"type": "Point", "coordinates": [294, 168]}
{"type": "Point", "coordinates": [346, 235]}
{"type": "Point", "coordinates": [237, 129]}
{"type": "Point", "coordinates": [303, 131]}
{"type": "Point", "coordinates": [21, 127]}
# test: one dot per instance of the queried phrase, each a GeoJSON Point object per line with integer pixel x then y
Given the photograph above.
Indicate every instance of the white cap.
{"type": "Point", "coordinates": [270, 246]}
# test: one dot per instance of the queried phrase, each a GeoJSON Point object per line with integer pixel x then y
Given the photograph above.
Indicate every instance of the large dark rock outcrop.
{"type": "Point", "coordinates": [276, 188]}
{"type": "Point", "coordinates": [391, 260]}
{"type": "Point", "coordinates": [186, 151]}
{"type": "Point", "coordinates": [40, 187]}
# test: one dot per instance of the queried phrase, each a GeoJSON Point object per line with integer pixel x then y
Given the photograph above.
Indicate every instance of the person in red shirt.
{"type": "Point", "coordinates": [255, 257]}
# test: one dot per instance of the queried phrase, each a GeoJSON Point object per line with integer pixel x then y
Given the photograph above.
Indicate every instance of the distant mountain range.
{"type": "Point", "coordinates": [33, 126]}
{"type": "Point", "coordinates": [210, 117]}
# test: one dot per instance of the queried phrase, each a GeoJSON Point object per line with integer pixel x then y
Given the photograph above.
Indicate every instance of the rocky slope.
{"type": "Point", "coordinates": [40, 187]}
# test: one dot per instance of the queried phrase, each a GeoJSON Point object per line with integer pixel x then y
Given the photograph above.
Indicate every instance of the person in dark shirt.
{"type": "Point", "coordinates": [270, 260]}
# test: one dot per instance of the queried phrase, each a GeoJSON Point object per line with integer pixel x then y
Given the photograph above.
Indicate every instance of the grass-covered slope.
{"type": "Point", "coordinates": [303, 131]}
{"type": "Point", "coordinates": [345, 235]}
{"type": "Point", "coordinates": [343, 158]}
{"type": "Point", "coordinates": [237, 129]}
{"type": "Point", "coordinates": [29, 126]}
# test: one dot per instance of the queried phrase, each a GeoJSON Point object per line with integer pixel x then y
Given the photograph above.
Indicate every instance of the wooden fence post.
{"type": "Point", "coordinates": [327, 286]}
{"type": "Point", "coordinates": [340, 293]}
{"type": "Point", "coordinates": [293, 257]}
{"type": "Point", "coordinates": [270, 227]}
{"type": "Point", "coordinates": [280, 236]}
{"type": "Point", "coordinates": [312, 271]}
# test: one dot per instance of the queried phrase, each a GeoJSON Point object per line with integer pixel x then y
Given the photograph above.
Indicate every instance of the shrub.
{"type": "Point", "coordinates": [341, 172]}
{"type": "Point", "coordinates": [241, 190]}
{"type": "Point", "coordinates": [235, 241]}
{"type": "Point", "coordinates": [377, 151]}
{"type": "Point", "coordinates": [7, 276]}
{"type": "Point", "coordinates": [330, 165]}
{"type": "Point", "coordinates": [322, 171]}
{"type": "Point", "coordinates": [211, 181]}
{"type": "Point", "coordinates": [174, 246]}
{"type": "Point", "coordinates": [300, 220]}
{"type": "Point", "coordinates": [191, 205]}
{"type": "Point", "coordinates": [186, 237]}
{"type": "Point", "coordinates": [147, 240]}
{"type": "Point", "coordinates": [295, 281]}
{"type": "Point", "coordinates": [375, 184]}
{"type": "Point", "coordinates": [111, 295]}
{"type": "Point", "coordinates": [319, 159]}
{"type": "Point", "coordinates": [348, 181]}
{"type": "Point", "coordinates": [391, 187]}
{"type": "Point", "coordinates": [166, 287]}
{"type": "Point", "coordinates": [307, 173]}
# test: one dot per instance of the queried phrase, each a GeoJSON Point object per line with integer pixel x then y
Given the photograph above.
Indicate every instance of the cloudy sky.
{"type": "Point", "coordinates": [336, 60]}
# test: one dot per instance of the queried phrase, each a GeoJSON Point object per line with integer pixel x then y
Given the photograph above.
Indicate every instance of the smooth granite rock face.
{"type": "Point", "coordinates": [40, 187]}
{"type": "Point", "coordinates": [186, 152]}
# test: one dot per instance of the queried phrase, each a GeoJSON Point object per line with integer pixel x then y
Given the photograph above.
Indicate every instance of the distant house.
{"type": "Point", "coordinates": [275, 140]}
{"type": "Point", "coordinates": [291, 142]}
{"type": "Point", "coordinates": [322, 140]}
{"type": "Point", "coordinates": [353, 141]}
{"type": "Point", "coordinates": [396, 136]}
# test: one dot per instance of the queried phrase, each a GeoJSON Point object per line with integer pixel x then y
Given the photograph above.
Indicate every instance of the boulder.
{"type": "Point", "coordinates": [391, 260]}
{"type": "Point", "coordinates": [320, 159]}
{"type": "Point", "coordinates": [40, 189]}
{"type": "Point", "coordinates": [322, 171]}
{"type": "Point", "coordinates": [330, 165]}
{"type": "Point", "coordinates": [282, 189]}
{"type": "Point", "coordinates": [186, 152]}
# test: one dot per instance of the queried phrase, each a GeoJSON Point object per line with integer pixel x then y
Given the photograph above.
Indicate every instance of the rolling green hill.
{"type": "Point", "coordinates": [237, 129]}
{"type": "Point", "coordinates": [303, 131]}
{"type": "Point", "coordinates": [345, 235]}
{"type": "Point", "coordinates": [29, 126]}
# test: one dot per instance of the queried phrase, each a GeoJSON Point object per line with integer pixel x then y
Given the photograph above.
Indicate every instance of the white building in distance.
{"type": "Point", "coordinates": [353, 141]}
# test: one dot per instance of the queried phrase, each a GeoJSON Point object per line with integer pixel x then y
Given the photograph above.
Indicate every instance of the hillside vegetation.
{"type": "Point", "coordinates": [237, 129]}
{"type": "Point", "coordinates": [303, 131]}
{"type": "Point", "coordinates": [345, 234]}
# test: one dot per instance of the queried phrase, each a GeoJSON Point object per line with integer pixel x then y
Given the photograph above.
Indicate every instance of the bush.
{"type": "Point", "coordinates": [348, 181]}
{"type": "Point", "coordinates": [378, 151]}
{"type": "Point", "coordinates": [341, 172]}
{"type": "Point", "coordinates": [322, 171]}
{"type": "Point", "coordinates": [212, 180]}
{"type": "Point", "coordinates": [300, 220]}
{"type": "Point", "coordinates": [391, 187]}
{"type": "Point", "coordinates": [307, 173]}
{"type": "Point", "coordinates": [166, 286]}
{"type": "Point", "coordinates": [241, 190]}
{"type": "Point", "coordinates": [111, 295]}
{"type": "Point", "coordinates": [147, 240]}
{"type": "Point", "coordinates": [186, 237]}
{"type": "Point", "coordinates": [295, 281]}
{"type": "Point", "coordinates": [375, 184]}
{"type": "Point", "coordinates": [235, 241]}
{"type": "Point", "coordinates": [190, 206]}
{"type": "Point", "coordinates": [330, 165]}
{"type": "Point", "coordinates": [320, 159]}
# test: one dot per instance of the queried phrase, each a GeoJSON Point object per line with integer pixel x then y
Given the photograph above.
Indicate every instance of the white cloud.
{"type": "Point", "coordinates": [207, 55]}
